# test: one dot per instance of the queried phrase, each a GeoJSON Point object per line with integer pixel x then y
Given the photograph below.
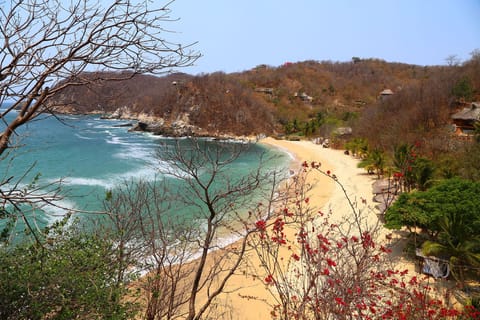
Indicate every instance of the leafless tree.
{"type": "Point", "coordinates": [153, 241]}
{"type": "Point", "coordinates": [182, 223]}
{"type": "Point", "coordinates": [48, 42]}
{"type": "Point", "coordinates": [452, 60]}
{"type": "Point", "coordinates": [46, 46]}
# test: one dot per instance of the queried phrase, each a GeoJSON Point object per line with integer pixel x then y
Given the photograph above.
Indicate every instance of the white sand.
{"type": "Point", "coordinates": [325, 194]}
{"type": "Point", "coordinates": [246, 296]}
{"type": "Point", "coordinates": [357, 183]}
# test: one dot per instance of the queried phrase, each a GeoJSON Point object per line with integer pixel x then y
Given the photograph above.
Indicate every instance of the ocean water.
{"type": "Point", "coordinates": [92, 156]}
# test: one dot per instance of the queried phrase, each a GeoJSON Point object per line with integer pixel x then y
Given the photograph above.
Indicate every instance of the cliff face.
{"type": "Point", "coordinates": [136, 95]}
{"type": "Point", "coordinates": [178, 104]}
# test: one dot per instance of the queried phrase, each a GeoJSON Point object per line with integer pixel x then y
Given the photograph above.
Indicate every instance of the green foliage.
{"type": "Point", "coordinates": [416, 171]}
{"type": "Point", "coordinates": [310, 127]}
{"type": "Point", "coordinates": [448, 167]}
{"type": "Point", "coordinates": [357, 146]}
{"type": "Point", "coordinates": [410, 210]}
{"type": "Point", "coordinates": [320, 118]}
{"type": "Point", "coordinates": [375, 161]}
{"type": "Point", "coordinates": [349, 116]}
{"type": "Point", "coordinates": [470, 163]}
{"type": "Point", "coordinates": [463, 89]}
{"type": "Point", "coordinates": [7, 223]}
{"type": "Point", "coordinates": [293, 126]}
{"type": "Point", "coordinates": [70, 275]}
{"type": "Point", "coordinates": [450, 213]}
{"type": "Point", "coordinates": [476, 131]}
{"type": "Point", "coordinates": [426, 209]}
{"type": "Point", "coordinates": [356, 59]}
{"type": "Point", "coordinates": [331, 90]}
{"type": "Point", "coordinates": [108, 195]}
{"type": "Point", "coordinates": [403, 157]}
{"type": "Point", "coordinates": [422, 172]}
{"type": "Point", "coordinates": [457, 242]}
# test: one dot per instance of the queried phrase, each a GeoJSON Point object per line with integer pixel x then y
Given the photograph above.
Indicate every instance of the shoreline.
{"type": "Point", "coordinates": [247, 288]}
{"type": "Point", "coordinates": [245, 295]}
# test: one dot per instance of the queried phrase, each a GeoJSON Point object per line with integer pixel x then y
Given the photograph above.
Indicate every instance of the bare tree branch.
{"type": "Point", "coordinates": [187, 264]}
{"type": "Point", "coordinates": [46, 45]}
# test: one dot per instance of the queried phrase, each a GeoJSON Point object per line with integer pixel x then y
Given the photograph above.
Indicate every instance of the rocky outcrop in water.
{"type": "Point", "coordinates": [159, 128]}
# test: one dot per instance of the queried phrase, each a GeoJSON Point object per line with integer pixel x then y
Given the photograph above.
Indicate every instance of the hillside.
{"type": "Point", "coordinates": [306, 98]}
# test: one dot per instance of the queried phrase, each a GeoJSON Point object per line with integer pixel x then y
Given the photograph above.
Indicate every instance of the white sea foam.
{"type": "Point", "coordinates": [94, 182]}
{"type": "Point", "coordinates": [12, 111]}
{"type": "Point", "coordinates": [219, 242]}
{"type": "Point", "coordinates": [145, 173]}
{"type": "Point", "coordinates": [136, 152]}
{"type": "Point", "coordinates": [83, 137]}
{"type": "Point", "coordinates": [284, 151]}
{"type": "Point", "coordinates": [116, 125]}
{"type": "Point", "coordinates": [160, 137]}
{"type": "Point", "coordinates": [109, 182]}
{"type": "Point", "coordinates": [114, 139]}
{"type": "Point", "coordinates": [49, 212]}
{"type": "Point", "coordinates": [64, 117]}
{"type": "Point", "coordinates": [58, 210]}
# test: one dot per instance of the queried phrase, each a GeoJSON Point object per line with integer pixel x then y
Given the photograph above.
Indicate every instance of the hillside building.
{"type": "Point", "coordinates": [465, 119]}
{"type": "Point", "coordinates": [384, 94]}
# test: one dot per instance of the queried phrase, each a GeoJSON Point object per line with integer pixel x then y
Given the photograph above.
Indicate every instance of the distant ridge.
{"type": "Point", "coordinates": [262, 100]}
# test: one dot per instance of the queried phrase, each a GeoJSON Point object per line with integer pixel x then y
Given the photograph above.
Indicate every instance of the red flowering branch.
{"type": "Point", "coordinates": [316, 269]}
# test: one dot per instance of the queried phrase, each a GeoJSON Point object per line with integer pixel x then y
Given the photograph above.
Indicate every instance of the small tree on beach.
{"type": "Point", "coordinates": [186, 263]}
{"type": "Point", "coordinates": [339, 268]}
{"type": "Point", "coordinates": [375, 161]}
{"type": "Point", "coordinates": [449, 216]}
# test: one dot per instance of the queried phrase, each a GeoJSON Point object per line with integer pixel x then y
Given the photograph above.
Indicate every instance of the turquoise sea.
{"type": "Point", "coordinates": [93, 155]}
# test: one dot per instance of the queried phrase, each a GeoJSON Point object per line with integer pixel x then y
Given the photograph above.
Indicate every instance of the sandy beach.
{"type": "Point", "coordinates": [247, 295]}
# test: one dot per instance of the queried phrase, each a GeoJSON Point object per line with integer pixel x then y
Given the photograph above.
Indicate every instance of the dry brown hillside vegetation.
{"type": "Point", "coordinates": [306, 98]}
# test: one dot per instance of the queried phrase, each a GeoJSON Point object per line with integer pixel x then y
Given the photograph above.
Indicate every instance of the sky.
{"type": "Point", "coordinates": [237, 35]}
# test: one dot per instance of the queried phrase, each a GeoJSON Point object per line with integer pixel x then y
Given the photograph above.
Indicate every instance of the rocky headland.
{"type": "Point", "coordinates": [297, 99]}
{"type": "Point", "coordinates": [176, 105]}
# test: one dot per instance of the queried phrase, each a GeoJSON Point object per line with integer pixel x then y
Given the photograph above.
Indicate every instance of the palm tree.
{"type": "Point", "coordinates": [374, 161]}
{"type": "Point", "coordinates": [403, 158]}
{"type": "Point", "coordinates": [456, 243]}
{"type": "Point", "coordinates": [422, 173]}
{"type": "Point", "coordinates": [358, 147]}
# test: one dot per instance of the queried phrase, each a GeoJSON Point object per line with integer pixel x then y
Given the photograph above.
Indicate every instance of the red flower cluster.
{"type": "Point", "coordinates": [347, 271]}
{"type": "Point", "coordinates": [340, 301]}
{"type": "Point", "coordinates": [287, 212]}
{"type": "Point", "coordinates": [279, 236]}
{"type": "Point", "coordinates": [278, 225]}
{"type": "Point", "coordinates": [269, 280]}
{"type": "Point", "coordinates": [367, 241]}
{"type": "Point", "coordinates": [331, 263]}
{"type": "Point", "coordinates": [313, 164]}
{"type": "Point", "coordinates": [261, 225]}
{"type": "Point", "coordinates": [397, 175]}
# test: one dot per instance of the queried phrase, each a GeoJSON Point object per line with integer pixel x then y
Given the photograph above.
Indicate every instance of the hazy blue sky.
{"type": "Point", "coordinates": [236, 35]}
